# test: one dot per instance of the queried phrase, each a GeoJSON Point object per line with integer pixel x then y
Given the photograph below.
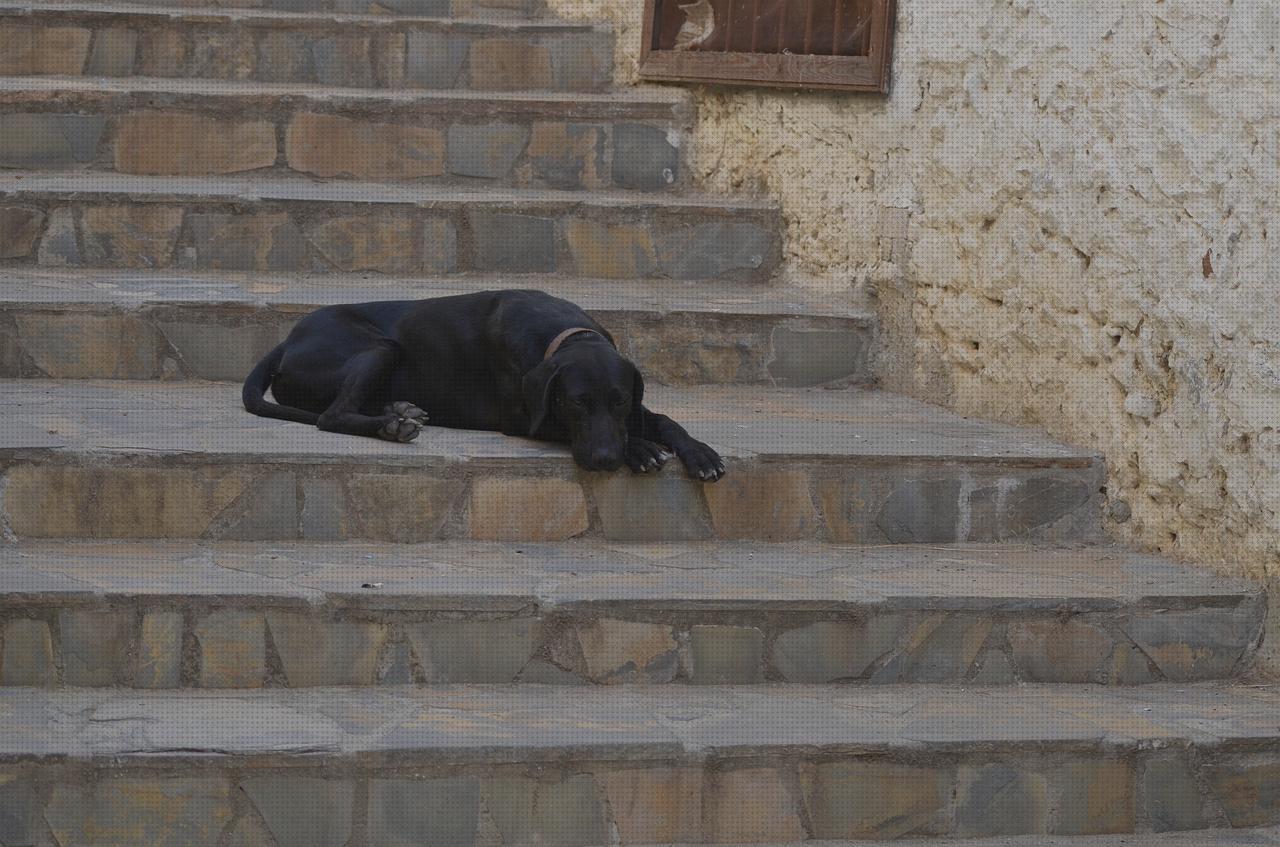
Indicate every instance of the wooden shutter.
{"type": "Point", "coordinates": [830, 44]}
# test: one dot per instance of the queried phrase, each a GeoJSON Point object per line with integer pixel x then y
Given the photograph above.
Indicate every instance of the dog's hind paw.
{"type": "Point", "coordinates": [404, 422]}
{"type": "Point", "coordinates": [403, 409]}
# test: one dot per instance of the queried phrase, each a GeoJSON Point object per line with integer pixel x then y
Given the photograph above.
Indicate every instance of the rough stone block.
{"type": "Point", "coordinates": [56, 50]}
{"type": "Point", "coordinates": [655, 805]}
{"type": "Point", "coordinates": [610, 251]}
{"type": "Point", "coordinates": [137, 236]}
{"type": "Point", "coordinates": [1249, 791]}
{"type": "Point", "coordinates": [1000, 799]}
{"type": "Point", "coordinates": [94, 646]}
{"type": "Point", "coordinates": [434, 60]}
{"type": "Point", "coordinates": [1196, 644]}
{"type": "Point", "coordinates": [474, 651]}
{"type": "Point", "coordinates": [565, 156]}
{"type": "Point", "coordinates": [49, 141]}
{"type": "Point", "coordinates": [581, 61]}
{"type": "Point", "coordinates": [665, 507]}
{"type": "Point", "coordinates": [223, 55]}
{"type": "Point", "coordinates": [19, 810]}
{"type": "Point", "coordinates": [410, 813]}
{"type": "Point", "coordinates": [59, 247]}
{"type": "Point", "coordinates": [486, 151]}
{"type": "Point", "coordinates": [221, 350]}
{"type": "Point", "coordinates": [764, 506]}
{"type": "Point", "coordinates": [527, 509]}
{"type": "Point", "coordinates": [153, 811]}
{"type": "Point", "coordinates": [804, 358]}
{"type": "Point", "coordinates": [269, 512]}
{"type": "Point", "coordinates": [1033, 504]}
{"type": "Point", "coordinates": [284, 56]}
{"type": "Point", "coordinates": [922, 511]}
{"type": "Point", "coordinates": [710, 250]}
{"type": "Point", "coordinates": [324, 511]}
{"type": "Point", "coordinates": [1169, 795]}
{"type": "Point", "coordinates": [876, 800]}
{"type": "Point", "coordinates": [114, 53]}
{"type": "Point", "coordinates": [439, 247]}
{"type": "Point", "coordinates": [618, 651]}
{"type": "Point", "coordinates": [401, 508]}
{"type": "Point", "coordinates": [510, 64]}
{"type": "Point", "coordinates": [827, 651]}
{"type": "Point", "coordinates": [1058, 650]}
{"type": "Point", "coordinates": [159, 660]}
{"type": "Point", "coordinates": [513, 243]}
{"type": "Point", "coordinates": [568, 813]}
{"type": "Point", "coordinates": [644, 158]}
{"type": "Point", "coordinates": [940, 648]}
{"type": "Point", "coordinates": [186, 144]}
{"type": "Point", "coordinates": [301, 811]}
{"type": "Point", "coordinates": [70, 345]}
{"type": "Point", "coordinates": [332, 145]}
{"type": "Point", "coordinates": [162, 52]}
{"type": "Point", "coordinates": [249, 242]}
{"type": "Point", "coordinates": [731, 655]}
{"type": "Point", "coordinates": [315, 651]}
{"type": "Point", "coordinates": [1094, 798]}
{"type": "Point", "coordinates": [750, 806]}
{"type": "Point", "coordinates": [28, 654]}
{"type": "Point", "coordinates": [232, 649]}
{"type": "Point", "coordinates": [20, 229]}
{"type": "Point", "coordinates": [366, 243]}
{"type": "Point", "coordinates": [342, 61]}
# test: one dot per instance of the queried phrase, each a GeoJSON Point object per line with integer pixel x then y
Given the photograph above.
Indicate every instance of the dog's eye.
{"type": "Point", "coordinates": [617, 402]}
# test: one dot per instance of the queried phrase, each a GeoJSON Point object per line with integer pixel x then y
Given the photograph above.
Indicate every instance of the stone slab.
{"type": "Point", "coordinates": [295, 42]}
{"type": "Point", "coordinates": [614, 613]}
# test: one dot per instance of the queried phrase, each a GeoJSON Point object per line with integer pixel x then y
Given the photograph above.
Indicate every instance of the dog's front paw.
{"type": "Point", "coordinates": [643, 456]}
{"type": "Point", "coordinates": [404, 422]}
{"type": "Point", "coordinates": [701, 462]}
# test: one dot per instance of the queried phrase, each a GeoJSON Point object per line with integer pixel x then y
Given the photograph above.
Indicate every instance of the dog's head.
{"type": "Point", "coordinates": [588, 392]}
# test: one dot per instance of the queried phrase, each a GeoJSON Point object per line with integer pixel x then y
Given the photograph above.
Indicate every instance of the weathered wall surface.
{"type": "Point", "coordinates": [1069, 214]}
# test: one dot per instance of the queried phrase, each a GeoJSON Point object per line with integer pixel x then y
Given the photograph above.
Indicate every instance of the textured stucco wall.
{"type": "Point", "coordinates": [1069, 213]}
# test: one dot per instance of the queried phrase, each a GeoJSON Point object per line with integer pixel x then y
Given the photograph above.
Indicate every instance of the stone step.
{"type": "Point", "coordinates": [1259, 837]}
{"type": "Point", "coordinates": [558, 765]}
{"type": "Point", "coordinates": [479, 9]}
{"type": "Point", "coordinates": [216, 326]}
{"type": "Point", "coordinates": [348, 50]}
{"type": "Point", "coordinates": [170, 615]}
{"type": "Point", "coordinates": [184, 460]}
{"type": "Point", "coordinates": [293, 224]}
{"type": "Point", "coordinates": [196, 127]}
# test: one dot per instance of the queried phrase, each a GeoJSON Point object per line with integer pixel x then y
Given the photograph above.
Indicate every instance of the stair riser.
{"type": "Point", "coordinates": [54, 494]}
{"type": "Point", "coordinates": [228, 642]}
{"type": "Point", "coordinates": [335, 53]}
{"type": "Point", "coordinates": [764, 795]}
{"type": "Point", "coordinates": [422, 8]}
{"type": "Point", "coordinates": [452, 236]}
{"type": "Point", "coordinates": [465, 143]}
{"type": "Point", "coordinates": [224, 343]}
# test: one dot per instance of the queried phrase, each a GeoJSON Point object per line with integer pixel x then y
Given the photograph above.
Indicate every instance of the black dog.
{"type": "Point", "coordinates": [517, 362]}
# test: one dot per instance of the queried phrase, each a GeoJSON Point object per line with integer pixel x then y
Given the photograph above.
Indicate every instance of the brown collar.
{"type": "Point", "coordinates": [563, 337]}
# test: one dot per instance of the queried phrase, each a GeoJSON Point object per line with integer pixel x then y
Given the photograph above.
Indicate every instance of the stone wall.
{"type": "Point", "coordinates": [1062, 212]}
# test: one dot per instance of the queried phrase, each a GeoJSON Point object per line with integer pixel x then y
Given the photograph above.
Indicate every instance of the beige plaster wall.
{"type": "Point", "coordinates": [1069, 215]}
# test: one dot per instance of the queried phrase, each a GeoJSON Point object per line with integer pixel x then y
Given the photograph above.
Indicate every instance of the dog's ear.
{"type": "Point", "coordinates": [637, 389]}
{"type": "Point", "coordinates": [536, 388]}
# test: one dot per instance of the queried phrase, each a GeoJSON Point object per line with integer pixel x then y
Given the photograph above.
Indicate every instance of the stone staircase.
{"type": "Point", "coordinates": [888, 622]}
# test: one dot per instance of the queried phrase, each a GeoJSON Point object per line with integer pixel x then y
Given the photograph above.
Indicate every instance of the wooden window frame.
{"type": "Point", "coordinates": [779, 70]}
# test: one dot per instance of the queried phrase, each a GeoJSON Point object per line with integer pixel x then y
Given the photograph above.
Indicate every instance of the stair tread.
{"type": "Point", "coordinates": [215, 13]}
{"type": "Point", "coordinates": [159, 419]}
{"type": "Point", "coordinates": [618, 103]}
{"type": "Point", "coordinates": [527, 723]}
{"type": "Point", "coordinates": [290, 188]}
{"type": "Point", "coordinates": [1197, 838]}
{"type": "Point", "coordinates": [534, 577]}
{"type": "Point", "coordinates": [135, 288]}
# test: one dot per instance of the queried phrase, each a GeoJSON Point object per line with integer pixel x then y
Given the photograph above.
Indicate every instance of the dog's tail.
{"type": "Point", "coordinates": [255, 388]}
